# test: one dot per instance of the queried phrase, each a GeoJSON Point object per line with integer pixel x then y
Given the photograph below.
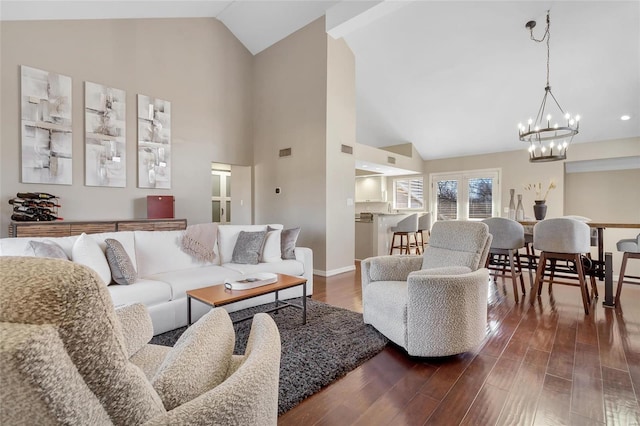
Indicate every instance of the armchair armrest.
{"type": "Point", "coordinates": [136, 324]}
{"type": "Point", "coordinates": [388, 268]}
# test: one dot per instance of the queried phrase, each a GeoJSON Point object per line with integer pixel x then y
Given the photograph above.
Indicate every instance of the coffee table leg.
{"type": "Point", "coordinates": [188, 310]}
{"type": "Point", "coordinates": [304, 303]}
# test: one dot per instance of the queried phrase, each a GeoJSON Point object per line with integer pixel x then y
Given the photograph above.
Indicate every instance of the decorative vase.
{"type": "Point", "coordinates": [520, 209]}
{"type": "Point", "coordinates": [540, 209]}
{"type": "Point", "coordinates": [512, 205]}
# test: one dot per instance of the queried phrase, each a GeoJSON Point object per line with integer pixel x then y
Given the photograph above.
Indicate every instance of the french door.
{"type": "Point", "coordinates": [469, 195]}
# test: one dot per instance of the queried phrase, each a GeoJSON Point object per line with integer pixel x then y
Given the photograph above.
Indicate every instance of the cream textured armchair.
{"type": "Point", "coordinates": [67, 357]}
{"type": "Point", "coordinates": [434, 304]}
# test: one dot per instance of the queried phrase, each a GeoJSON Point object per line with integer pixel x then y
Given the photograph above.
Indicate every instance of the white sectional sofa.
{"type": "Point", "coordinates": [165, 272]}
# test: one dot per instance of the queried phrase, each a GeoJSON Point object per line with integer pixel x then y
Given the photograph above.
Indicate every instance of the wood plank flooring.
{"type": "Point", "coordinates": [545, 363]}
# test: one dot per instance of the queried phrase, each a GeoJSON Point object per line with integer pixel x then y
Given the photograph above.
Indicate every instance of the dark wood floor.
{"type": "Point", "coordinates": [546, 363]}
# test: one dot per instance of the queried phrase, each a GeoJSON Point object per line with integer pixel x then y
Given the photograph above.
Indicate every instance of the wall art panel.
{"type": "Point", "coordinates": [154, 142]}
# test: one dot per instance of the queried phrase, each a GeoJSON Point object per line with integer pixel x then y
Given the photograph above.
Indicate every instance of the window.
{"type": "Point", "coordinates": [469, 195]}
{"type": "Point", "coordinates": [408, 194]}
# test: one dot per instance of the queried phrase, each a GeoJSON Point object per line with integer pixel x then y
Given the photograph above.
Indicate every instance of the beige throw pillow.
{"type": "Point", "coordinates": [199, 360]}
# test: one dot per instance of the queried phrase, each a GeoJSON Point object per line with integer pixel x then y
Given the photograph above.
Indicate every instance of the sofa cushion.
{"type": "Point", "coordinates": [160, 251]}
{"type": "Point", "coordinates": [228, 234]}
{"type": "Point", "coordinates": [248, 247]}
{"type": "Point", "coordinates": [48, 249]}
{"type": "Point", "coordinates": [145, 291]}
{"type": "Point", "coordinates": [389, 315]}
{"type": "Point", "coordinates": [198, 361]}
{"type": "Point", "coordinates": [289, 267]}
{"type": "Point", "coordinates": [271, 251]}
{"type": "Point", "coordinates": [188, 279]}
{"type": "Point", "coordinates": [86, 251]}
{"type": "Point", "coordinates": [21, 246]}
{"type": "Point", "coordinates": [288, 242]}
{"type": "Point", "coordinates": [123, 271]}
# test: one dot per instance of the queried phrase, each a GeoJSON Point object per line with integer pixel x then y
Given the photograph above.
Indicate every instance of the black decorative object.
{"type": "Point", "coordinates": [540, 209]}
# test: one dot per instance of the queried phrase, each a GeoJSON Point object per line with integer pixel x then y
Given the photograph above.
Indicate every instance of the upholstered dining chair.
{"type": "Point", "coordinates": [406, 230]}
{"type": "Point", "coordinates": [435, 304]}
{"type": "Point", "coordinates": [508, 238]}
{"type": "Point", "coordinates": [563, 239]}
{"type": "Point", "coordinates": [631, 249]}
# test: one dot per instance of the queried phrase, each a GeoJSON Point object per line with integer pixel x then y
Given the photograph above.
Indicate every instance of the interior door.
{"type": "Point", "coordinates": [220, 196]}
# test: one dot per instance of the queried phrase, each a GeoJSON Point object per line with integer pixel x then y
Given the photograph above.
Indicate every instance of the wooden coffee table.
{"type": "Point", "coordinates": [218, 295]}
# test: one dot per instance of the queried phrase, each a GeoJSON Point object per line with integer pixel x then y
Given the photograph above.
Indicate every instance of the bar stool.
{"type": "Point", "coordinates": [631, 249]}
{"type": "Point", "coordinates": [424, 225]}
{"type": "Point", "coordinates": [563, 239]}
{"type": "Point", "coordinates": [405, 229]}
{"type": "Point", "coordinates": [508, 238]}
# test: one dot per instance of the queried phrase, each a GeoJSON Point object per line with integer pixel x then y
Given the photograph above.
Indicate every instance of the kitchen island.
{"type": "Point", "coordinates": [373, 236]}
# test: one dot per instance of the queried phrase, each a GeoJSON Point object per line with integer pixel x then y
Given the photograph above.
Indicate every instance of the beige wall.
{"type": "Point", "coordinates": [197, 64]}
{"type": "Point", "coordinates": [340, 167]}
{"type": "Point", "coordinates": [290, 107]}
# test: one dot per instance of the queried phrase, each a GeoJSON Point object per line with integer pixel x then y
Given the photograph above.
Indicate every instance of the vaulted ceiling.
{"type": "Point", "coordinates": [452, 77]}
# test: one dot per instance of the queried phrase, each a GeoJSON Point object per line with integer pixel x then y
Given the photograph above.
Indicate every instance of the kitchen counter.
{"type": "Point", "coordinates": [373, 238]}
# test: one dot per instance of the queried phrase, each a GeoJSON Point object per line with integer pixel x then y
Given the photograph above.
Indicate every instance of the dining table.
{"type": "Point", "coordinates": [602, 267]}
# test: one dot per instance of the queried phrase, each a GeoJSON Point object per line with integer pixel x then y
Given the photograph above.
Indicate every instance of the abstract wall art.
{"type": "Point", "coordinates": [154, 142]}
{"type": "Point", "coordinates": [46, 127]}
{"type": "Point", "coordinates": [105, 141]}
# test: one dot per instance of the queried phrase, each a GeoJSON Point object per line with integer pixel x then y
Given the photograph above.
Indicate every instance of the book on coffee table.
{"type": "Point", "coordinates": [250, 281]}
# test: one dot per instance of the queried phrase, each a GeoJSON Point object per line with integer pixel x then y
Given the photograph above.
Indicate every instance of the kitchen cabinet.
{"type": "Point", "coordinates": [371, 189]}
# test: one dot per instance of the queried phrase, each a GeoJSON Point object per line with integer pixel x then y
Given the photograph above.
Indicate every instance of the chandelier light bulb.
{"type": "Point", "coordinates": [572, 122]}
{"type": "Point", "coordinates": [536, 128]}
{"type": "Point", "coordinates": [564, 144]}
{"type": "Point", "coordinates": [531, 148]}
{"type": "Point", "coordinates": [555, 126]}
{"type": "Point", "coordinates": [543, 149]}
{"type": "Point", "coordinates": [530, 121]}
{"type": "Point", "coordinates": [577, 118]}
{"type": "Point", "coordinates": [567, 116]}
{"type": "Point", "coordinates": [551, 145]}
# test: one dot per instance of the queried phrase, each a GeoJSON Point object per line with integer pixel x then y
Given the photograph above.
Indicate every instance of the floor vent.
{"type": "Point", "coordinates": [346, 149]}
{"type": "Point", "coordinates": [286, 152]}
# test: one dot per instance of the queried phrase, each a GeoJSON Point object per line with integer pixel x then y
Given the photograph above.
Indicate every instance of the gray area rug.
{"type": "Point", "coordinates": [333, 342]}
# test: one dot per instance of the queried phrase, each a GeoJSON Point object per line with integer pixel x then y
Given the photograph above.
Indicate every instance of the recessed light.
{"type": "Point", "coordinates": [625, 118]}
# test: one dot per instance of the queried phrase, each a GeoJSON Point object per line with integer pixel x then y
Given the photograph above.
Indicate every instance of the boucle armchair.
{"type": "Point", "coordinates": [67, 357]}
{"type": "Point", "coordinates": [435, 304]}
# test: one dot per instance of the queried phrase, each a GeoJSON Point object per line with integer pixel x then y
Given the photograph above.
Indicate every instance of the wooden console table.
{"type": "Point", "coordinates": [67, 229]}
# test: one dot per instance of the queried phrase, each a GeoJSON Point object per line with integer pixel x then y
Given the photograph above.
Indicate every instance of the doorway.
{"type": "Point", "coordinates": [220, 193]}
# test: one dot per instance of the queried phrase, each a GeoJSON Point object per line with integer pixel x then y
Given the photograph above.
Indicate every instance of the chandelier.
{"type": "Point", "coordinates": [549, 135]}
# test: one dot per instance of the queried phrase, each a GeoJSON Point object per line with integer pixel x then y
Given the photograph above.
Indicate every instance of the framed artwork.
{"type": "Point", "coordinates": [105, 141]}
{"type": "Point", "coordinates": [154, 142]}
{"type": "Point", "coordinates": [46, 127]}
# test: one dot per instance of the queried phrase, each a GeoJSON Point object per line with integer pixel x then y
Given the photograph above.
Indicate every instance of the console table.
{"type": "Point", "coordinates": [67, 229]}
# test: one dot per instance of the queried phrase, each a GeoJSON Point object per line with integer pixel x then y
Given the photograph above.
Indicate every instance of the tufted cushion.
{"type": "Point", "coordinates": [507, 233]}
{"type": "Point", "coordinates": [33, 365]}
{"type": "Point", "coordinates": [72, 298]}
{"type": "Point", "coordinates": [288, 240]}
{"type": "Point", "coordinates": [86, 251]}
{"type": "Point", "coordinates": [123, 271]}
{"type": "Point", "coordinates": [48, 249]}
{"type": "Point", "coordinates": [199, 360]}
{"type": "Point", "coordinates": [457, 243]}
{"type": "Point", "coordinates": [248, 247]}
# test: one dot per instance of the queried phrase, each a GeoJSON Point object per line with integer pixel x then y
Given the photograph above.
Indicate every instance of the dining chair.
{"type": "Point", "coordinates": [405, 229]}
{"type": "Point", "coordinates": [631, 249]}
{"type": "Point", "coordinates": [563, 239]}
{"type": "Point", "coordinates": [508, 238]}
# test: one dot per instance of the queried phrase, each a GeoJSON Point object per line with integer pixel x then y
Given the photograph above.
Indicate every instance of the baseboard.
{"type": "Point", "coordinates": [334, 271]}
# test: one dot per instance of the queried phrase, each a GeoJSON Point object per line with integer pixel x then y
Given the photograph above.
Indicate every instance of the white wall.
{"type": "Point", "coordinates": [197, 64]}
{"type": "Point", "coordinates": [241, 195]}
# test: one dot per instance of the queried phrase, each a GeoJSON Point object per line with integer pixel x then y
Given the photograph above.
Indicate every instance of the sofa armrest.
{"type": "Point", "coordinates": [137, 327]}
{"type": "Point", "coordinates": [305, 255]}
{"type": "Point", "coordinates": [388, 268]}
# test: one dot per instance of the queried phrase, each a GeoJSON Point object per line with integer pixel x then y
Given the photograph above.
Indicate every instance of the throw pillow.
{"type": "Point", "coordinates": [271, 252]}
{"type": "Point", "coordinates": [288, 242]}
{"type": "Point", "coordinates": [199, 360]}
{"type": "Point", "coordinates": [122, 269]}
{"type": "Point", "coordinates": [48, 249]}
{"type": "Point", "coordinates": [248, 247]}
{"type": "Point", "coordinates": [86, 251]}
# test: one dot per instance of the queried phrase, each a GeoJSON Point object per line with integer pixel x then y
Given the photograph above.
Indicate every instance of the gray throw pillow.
{"type": "Point", "coordinates": [48, 249]}
{"type": "Point", "coordinates": [122, 269]}
{"type": "Point", "coordinates": [248, 247]}
{"type": "Point", "coordinates": [288, 240]}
